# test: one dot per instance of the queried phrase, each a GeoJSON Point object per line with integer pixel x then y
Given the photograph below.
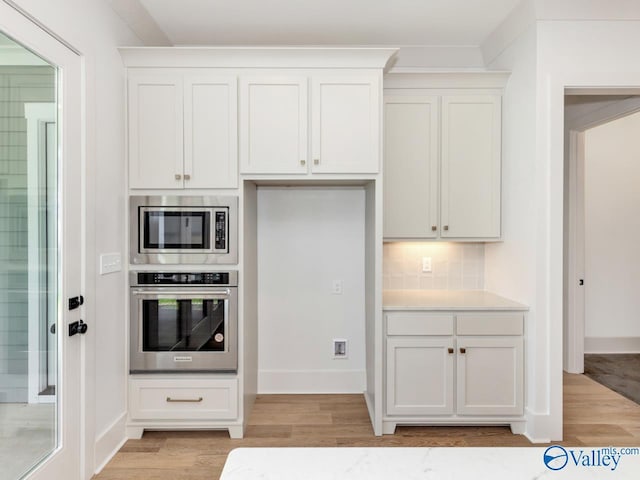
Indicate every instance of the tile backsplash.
{"type": "Point", "coordinates": [454, 266]}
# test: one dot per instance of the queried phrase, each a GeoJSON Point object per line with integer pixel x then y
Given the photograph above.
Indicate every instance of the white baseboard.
{"type": "Point", "coordinates": [311, 381]}
{"type": "Point", "coordinates": [109, 442]}
{"type": "Point", "coordinates": [612, 345]}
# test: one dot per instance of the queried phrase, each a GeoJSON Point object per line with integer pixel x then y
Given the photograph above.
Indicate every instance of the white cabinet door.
{"type": "Point", "coordinates": [155, 130]}
{"type": "Point", "coordinates": [419, 376]}
{"type": "Point", "coordinates": [490, 376]}
{"type": "Point", "coordinates": [273, 125]}
{"type": "Point", "coordinates": [210, 132]}
{"type": "Point", "coordinates": [411, 167]}
{"type": "Point", "coordinates": [471, 148]}
{"type": "Point", "coordinates": [346, 123]}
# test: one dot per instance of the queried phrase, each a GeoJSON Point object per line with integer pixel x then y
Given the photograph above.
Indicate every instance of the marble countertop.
{"type": "Point", "coordinates": [416, 463]}
{"type": "Point", "coordinates": [447, 300]}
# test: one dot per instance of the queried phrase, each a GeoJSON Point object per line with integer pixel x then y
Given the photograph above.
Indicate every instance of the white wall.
{"type": "Point", "coordinates": [510, 266]}
{"type": "Point", "coordinates": [308, 237]}
{"type": "Point", "coordinates": [92, 28]}
{"type": "Point", "coordinates": [612, 229]}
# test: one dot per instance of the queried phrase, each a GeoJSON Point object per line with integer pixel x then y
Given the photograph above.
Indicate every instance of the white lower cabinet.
{"type": "Point", "coordinates": [183, 403]}
{"type": "Point", "coordinates": [454, 368]}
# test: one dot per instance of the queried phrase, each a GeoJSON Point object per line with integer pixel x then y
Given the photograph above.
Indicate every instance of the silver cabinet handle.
{"type": "Point", "coordinates": [433, 228]}
{"type": "Point", "coordinates": [445, 228]}
{"type": "Point", "coordinates": [316, 161]}
{"type": "Point", "coordinates": [184, 400]}
{"type": "Point", "coordinates": [187, 176]}
{"type": "Point", "coordinates": [303, 162]}
{"type": "Point", "coordinates": [178, 176]}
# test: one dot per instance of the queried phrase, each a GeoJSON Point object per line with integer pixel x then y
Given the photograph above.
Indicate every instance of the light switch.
{"type": "Point", "coordinates": [110, 263]}
{"type": "Point", "coordinates": [426, 264]}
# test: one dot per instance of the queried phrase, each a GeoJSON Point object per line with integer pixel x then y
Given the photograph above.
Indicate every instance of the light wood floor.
{"type": "Point", "coordinates": [593, 415]}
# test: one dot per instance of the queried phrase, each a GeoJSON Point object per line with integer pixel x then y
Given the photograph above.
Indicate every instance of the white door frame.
{"type": "Point", "coordinates": [67, 461]}
{"type": "Point", "coordinates": [37, 115]}
{"type": "Point", "coordinates": [575, 294]}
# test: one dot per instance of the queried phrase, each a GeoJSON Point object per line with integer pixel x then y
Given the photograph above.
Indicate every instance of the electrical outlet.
{"type": "Point", "coordinates": [336, 287]}
{"type": "Point", "coordinates": [426, 264]}
{"type": "Point", "coordinates": [339, 348]}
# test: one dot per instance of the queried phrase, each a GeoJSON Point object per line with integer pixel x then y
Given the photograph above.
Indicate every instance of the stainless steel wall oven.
{"type": "Point", "coordinates": [183, 230]}
{"type": "Point", "coordinates": [184, 322]}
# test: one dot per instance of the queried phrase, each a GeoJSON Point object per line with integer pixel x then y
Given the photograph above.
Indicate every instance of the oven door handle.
{"type": "Point", "coordinates": [156, 293]}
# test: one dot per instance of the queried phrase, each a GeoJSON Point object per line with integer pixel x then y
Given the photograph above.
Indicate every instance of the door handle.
{"type": "Point", "coordinates": [463, 350]}
{"type": "Point", "coordinates": [78, 327]}
{"type": "Point", "coordinates": [184, 400]}
{"type": "Point", "coordinates": [450, 350]}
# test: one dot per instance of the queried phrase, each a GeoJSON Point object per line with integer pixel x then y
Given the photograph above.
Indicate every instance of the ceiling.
{"type": "Point", "coordinates": [327, 22]}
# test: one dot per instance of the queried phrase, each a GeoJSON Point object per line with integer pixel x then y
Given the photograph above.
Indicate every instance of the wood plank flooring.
{"type": "Point", "coordinates": [593, 415]}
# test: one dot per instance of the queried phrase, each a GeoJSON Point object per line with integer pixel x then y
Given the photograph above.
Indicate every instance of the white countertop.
{"type": "Point", "coordinates": [416, 463]}
{"type": "Point", "coordinates": [447, 300]}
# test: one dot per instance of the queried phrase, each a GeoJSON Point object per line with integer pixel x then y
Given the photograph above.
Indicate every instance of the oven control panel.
{"type": "Point", "coordinates": [185, 278]}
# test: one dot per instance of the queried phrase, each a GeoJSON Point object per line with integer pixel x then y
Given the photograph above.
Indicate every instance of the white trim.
{"type": "Point", "coordinates": [257, 57]}
{"type": "Point", "coordinates": [311, 381]}
{"type": "Point", "coordinates": [110, 441]}
{"type": "Point", "coordinates": [37, 116]}
{"type": "Point", "coordinates": [537, 423]}
{"type": "Point", "coordinates": [573, 351]}
{"type": "Point", "coordinates": [612, 345]}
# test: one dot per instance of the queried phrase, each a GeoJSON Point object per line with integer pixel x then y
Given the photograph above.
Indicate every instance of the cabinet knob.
{"type": "Point", "coordinates": [178, 176]}
{"type": "Point", "coordinates": [303, 162]}
{"type": "Point", "coordinates": [187, 176]}
{"type": "Point", "coordinates": [445, 228]}
{"type": "Point", "coordinates": [433, 228]}
{"type": "Point", "coordinates": [450, 350]}
{"type": "Point", "coordinates": [316, 161]}
{"type": "Point", "coordinates": [463, 350]}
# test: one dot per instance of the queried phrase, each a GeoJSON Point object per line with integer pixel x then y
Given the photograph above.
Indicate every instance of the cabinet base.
{"type": "Point", "coordinates": [518, 427]}
{"type": "Point", "coordinates": [135, 432]}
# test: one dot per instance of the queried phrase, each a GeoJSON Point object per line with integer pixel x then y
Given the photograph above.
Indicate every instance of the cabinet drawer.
{"type": "Point", "coordinates": [183, 399]}
{"type": "Point", "coordinates": [419, 324]}
{"type": "Point", "coordinates": [490, 324]}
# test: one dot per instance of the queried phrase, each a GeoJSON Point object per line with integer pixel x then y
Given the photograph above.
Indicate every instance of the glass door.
{"type": "Point", "coordinates": [40, 203]}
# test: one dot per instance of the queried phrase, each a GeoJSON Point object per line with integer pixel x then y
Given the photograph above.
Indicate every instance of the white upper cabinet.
{"type": "Point", "coordinates": [182, 130]}
{"type": "Point", "coordinates": [346, 124]}
{"type": "Point", "coordinates": [273, 125]}
{"type": "Point", "coordinates": [442, 164]}
{"type": "Point", "coordinates": [155, 130]}
{"type": "Point", "coordinates": [471, 145]}
{"type": "Point", "coordinates": [210, 132]}
{"type": "Point", "coordinates": [411, 166]}
{"type": "Point", "coordinates": [341, 130]}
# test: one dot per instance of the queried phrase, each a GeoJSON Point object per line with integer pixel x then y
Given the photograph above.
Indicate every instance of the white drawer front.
{"type": "Point", "coordinates": [419, 324]}
{"type": "Point", "coordinates": [490, 324]}
{"type": "Point", "coordinates": [183, 399]}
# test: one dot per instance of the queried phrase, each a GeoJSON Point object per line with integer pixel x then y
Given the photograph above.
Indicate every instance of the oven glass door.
{"type": "Point", "coordinates": [183, 323]}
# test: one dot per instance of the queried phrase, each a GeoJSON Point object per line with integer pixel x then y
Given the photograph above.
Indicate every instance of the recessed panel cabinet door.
{"type": "Point", "coordinates": [411, 167]}
{"type": "Point", "coordinates": [155, 131]}
{"type": "Point", "coordinates": [210, 132]}
{"type": "Point", "coordinates": [471, 148]}
{"type": "Point", "coordinates": [345, 124]}
{"type": "Point", "coordinates": [490, 376]}
{"type": "Point", "coordinates": [419, 376]}
{"type": "Point", "coordinates": [273, 125]}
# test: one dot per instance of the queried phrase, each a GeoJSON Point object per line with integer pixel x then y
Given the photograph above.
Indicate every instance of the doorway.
{"type": "Point", "coordinates": [602, 261]}
{"type": "Point", "coordinates": [40, 254]}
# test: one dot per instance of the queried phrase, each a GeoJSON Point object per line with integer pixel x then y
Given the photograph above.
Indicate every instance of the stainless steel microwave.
{"type": "Point", "coordinates": [183, 230]}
